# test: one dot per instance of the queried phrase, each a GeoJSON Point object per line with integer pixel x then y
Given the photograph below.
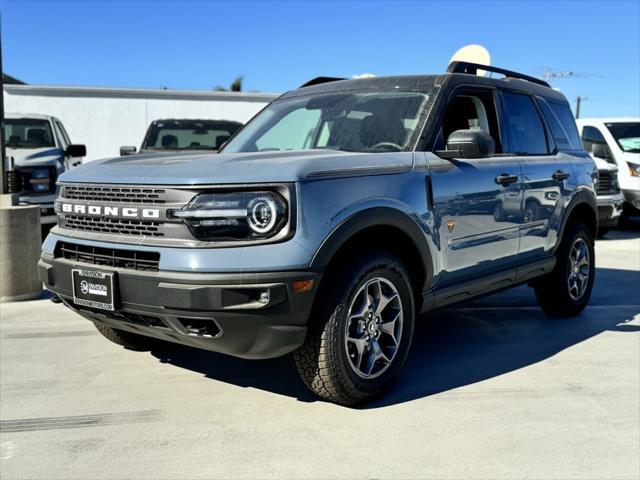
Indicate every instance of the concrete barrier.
{"type": "Point", "coordinates": [20, 241]}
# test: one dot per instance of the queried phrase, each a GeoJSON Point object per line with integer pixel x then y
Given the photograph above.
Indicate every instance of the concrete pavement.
{"type": "Point", "coordinates": [493, 389]}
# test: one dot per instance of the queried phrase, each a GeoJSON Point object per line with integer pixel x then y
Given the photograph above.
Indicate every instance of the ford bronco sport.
{"type": "Point", "coordinates": [333, 219]}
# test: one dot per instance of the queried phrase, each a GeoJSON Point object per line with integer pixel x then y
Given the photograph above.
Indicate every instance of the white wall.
{"type": "Point", "coordinates": [105, 119]}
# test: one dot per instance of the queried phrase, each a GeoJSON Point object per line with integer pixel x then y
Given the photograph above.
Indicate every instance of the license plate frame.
{"type": "Point", "coordinates": [94, 288]}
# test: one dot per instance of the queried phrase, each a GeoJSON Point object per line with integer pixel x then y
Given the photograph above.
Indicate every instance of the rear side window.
{"type": "Point", "coordinates": [564, 115]}
{"type": "Point", "coordinates": [560, 137]}
{"type": "Point", "coordinates": [524, 126]}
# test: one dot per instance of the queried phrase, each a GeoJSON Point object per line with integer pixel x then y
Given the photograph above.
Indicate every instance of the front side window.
{"type": "Point", "coordinates": [525, 129]}
{"type": "Point", "coordinates": [351, 122]}
{"type": "Point", "coordinates": [27, 133]}
{"type": "Point", "coordinates": [627, 135]}
{"type": "Point", "coordinates": [188, 135]}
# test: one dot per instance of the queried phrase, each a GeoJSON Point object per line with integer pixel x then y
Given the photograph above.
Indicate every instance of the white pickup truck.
{"type": "Point", "coordinates": [617, 142]}
{"type": "Point", "coordinates": [40, 150]}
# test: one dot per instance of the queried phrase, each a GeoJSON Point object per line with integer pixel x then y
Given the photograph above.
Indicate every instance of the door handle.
{"type": "Point", "coordinates": [506, 179]}
{"type": "Point", "coordinates": [560, 175]}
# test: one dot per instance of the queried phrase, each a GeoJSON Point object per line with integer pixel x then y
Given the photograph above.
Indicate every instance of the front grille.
{"type": "Point", "coordinates": [101, 212]}
{"type": "Point", "coordinates": [92, 193]}
{"type": "Point", "coordinates": [108, 257]}
{"type": "Point", "coordinates": [110, 225]}
{"type": "Point", "coordinates": [607, 182]}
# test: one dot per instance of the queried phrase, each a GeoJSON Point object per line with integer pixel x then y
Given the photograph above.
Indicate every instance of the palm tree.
{"type": "Point", "coordinates": [236, 86]}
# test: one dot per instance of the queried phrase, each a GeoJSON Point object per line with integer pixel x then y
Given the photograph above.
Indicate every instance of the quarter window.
{"type": "Point", "coordinates": [526, 132]}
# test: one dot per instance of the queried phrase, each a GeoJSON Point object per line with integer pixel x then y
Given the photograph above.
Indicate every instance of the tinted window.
{"type": "Point", "coordinates": [560, 137]}
{"type": "Point", "coordinates": [564, 115]}
{"type": "Point", "coordinates": [188, 134]}
{"type": "Point", "coordinates": [27, 133]}
{"type": "Point", "coordinates": [526, 133]}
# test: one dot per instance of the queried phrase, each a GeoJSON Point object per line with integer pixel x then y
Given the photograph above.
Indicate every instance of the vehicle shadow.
{"type": "Point", "coordinates": [452, 348]}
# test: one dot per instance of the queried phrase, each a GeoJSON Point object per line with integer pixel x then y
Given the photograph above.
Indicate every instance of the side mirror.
{"type": "Point", "coordinates": [600, 150]}
{"type": "Point", "coordinates": [124, 151]}
{"type": "Point", "coordinates": [76, 151]}
{"type": "Point", "coordinates": [469, 144]}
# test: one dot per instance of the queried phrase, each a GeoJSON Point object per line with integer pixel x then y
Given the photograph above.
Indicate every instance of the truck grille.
{"type": "Point", "coordinates": [607, 182]}
{"type": "Point", "coordinates": [109, 257]}
{"type": "Point", "coordinates": [109, 225]}
{"type": "Point", "coordinates": [118, 227]}
{"type": "Point", "coordinates": [109, 194]}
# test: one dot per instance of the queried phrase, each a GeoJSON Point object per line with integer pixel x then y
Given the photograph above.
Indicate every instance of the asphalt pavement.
{"type": "Point", "coordinates": [492, 389]}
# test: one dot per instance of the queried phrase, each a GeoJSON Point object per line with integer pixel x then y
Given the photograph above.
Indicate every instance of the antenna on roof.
{"type": "Point", "coordinates": [473, 54]}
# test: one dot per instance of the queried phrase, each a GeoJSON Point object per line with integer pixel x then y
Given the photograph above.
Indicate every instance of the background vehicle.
{"type": "Point", "coordinates": [331, 221]}
{"type": "Point", "coordinates": [185, 135]}
{"type": "Point", "coordinates": [609, 197]}
{"type": "Point", "coordinates": [41, 150]}
{"type": "Point", "coordinates": [617, 141]}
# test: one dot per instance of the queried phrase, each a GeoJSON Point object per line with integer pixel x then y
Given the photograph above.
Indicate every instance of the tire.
{"type": "Point", "coordinates": [557, 293]}
{"type": "Point", "coordinates": [337, 362]}
{"type": "Point", "coordinates": [602, 232]}
{"type": "Point", "coordinates": [130, 341]}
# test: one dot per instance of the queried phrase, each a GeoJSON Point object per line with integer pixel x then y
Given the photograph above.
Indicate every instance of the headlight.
{"type": "Point", "coordinates": [41, 180]}
{"type": "Point", "coordinates": [228, 216]}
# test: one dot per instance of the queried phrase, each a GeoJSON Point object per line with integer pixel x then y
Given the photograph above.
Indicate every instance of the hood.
{"type": "Point", "coordinates": [36, 156]}
{"type": "Point", "coordinates": [262, 167]}
{"type": "Point", "coordinates": [629, 157]}
{"type": "Point", "coordinates": [602, 164]}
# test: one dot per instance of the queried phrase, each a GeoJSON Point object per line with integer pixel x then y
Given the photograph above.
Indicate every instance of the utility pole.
{"type": "Point", "coordinates": [579, 101]}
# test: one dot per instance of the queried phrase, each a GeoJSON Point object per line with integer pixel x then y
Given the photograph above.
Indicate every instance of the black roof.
{"type": "Point", "coordinates": [512, 81]}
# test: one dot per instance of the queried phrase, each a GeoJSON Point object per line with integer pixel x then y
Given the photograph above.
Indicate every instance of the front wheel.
{"type": "Point", "coordinates": [566, 291]}
{"type": "Point", "coordinates": [360, 336]}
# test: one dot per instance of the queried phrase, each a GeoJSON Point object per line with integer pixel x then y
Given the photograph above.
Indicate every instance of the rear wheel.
{"type": "Point", "coordinates": [128, 340]}
{"type": "Point", "coordinates": [566, 291]}
{"type": "Point", "coordinates": [360, 336]}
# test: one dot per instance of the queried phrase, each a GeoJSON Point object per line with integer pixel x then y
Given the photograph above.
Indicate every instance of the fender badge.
{"type": "Point", "coordinates": [451, 224]}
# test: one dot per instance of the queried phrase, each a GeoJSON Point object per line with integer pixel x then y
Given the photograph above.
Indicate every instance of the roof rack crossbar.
{"type": "Point", "coordinates": [472, 68]}
{"type": "Point", "coordinates": [319, 80]}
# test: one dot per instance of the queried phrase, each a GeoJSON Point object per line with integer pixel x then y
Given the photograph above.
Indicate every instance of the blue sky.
{"type": "Point", "coordinates": [277, 46]}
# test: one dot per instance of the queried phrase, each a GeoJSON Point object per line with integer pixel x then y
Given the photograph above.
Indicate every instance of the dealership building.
{"type": "Point", "coordinates": [104, 119]}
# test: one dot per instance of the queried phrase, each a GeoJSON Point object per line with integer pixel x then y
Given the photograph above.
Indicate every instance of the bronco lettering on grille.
{"type": "Point", "coordinates": [108, 211]}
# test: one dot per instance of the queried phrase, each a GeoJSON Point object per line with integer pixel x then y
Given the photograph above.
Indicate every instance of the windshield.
{"type": "Point", "coordinates": [351, 122]}
{"type": "Point", "coordinates": [27, 133]}
{"type": "Point", "coordinates": [189, 134]}
{"type": "Point", "coordinates": [627, 135]}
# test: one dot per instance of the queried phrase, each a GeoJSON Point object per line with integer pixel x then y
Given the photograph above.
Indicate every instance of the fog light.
{"type": "Point", "coordinates": [264, 298]}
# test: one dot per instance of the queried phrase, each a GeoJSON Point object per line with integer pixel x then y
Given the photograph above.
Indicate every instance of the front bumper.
{"type": "Point", "coordinates": [632, 199]}
{"type": "Point", "coordinates": [609, 209]}
{"type": "Point", "coordinates": [217, 312]}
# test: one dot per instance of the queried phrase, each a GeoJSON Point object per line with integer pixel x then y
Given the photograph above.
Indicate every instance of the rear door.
{"type": "Point", "coordinates": [476, 201]}
{"type": "Point", "coordinates": [544, 173]}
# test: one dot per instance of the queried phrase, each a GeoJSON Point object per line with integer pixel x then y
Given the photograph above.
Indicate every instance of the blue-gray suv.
{"type": "Point", "coordinates": [331, 221]}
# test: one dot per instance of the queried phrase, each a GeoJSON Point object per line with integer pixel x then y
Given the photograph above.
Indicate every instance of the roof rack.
{"type": "Point", "coordinates": [472, 68]}
{"type": "Point", "coordinates": [319, 80]}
